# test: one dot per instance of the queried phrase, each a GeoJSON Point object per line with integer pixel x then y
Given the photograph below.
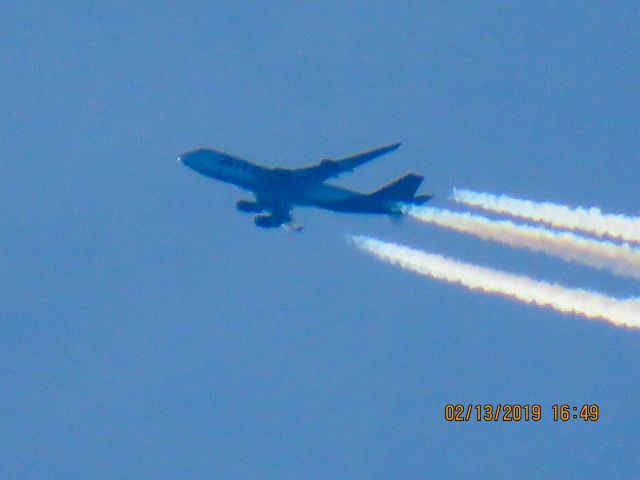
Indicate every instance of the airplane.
{"type": "Point", "coordinates": [277, 190]}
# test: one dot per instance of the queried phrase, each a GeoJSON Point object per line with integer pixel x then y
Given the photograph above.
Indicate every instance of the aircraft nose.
{"type": "Point", "coordinates": [188, 159]}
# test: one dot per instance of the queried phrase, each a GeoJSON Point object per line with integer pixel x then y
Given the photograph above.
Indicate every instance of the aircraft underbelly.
{"type": "Point", "coordinates": [327, 194]}
{"type": "Point", "coordinates": [341, 200]}
{"type": "Point", "coordinates": [241, 179]}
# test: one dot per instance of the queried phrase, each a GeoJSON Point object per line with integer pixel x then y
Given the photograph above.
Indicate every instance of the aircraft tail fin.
{"type": "Point", "coordinates": [402, 190]}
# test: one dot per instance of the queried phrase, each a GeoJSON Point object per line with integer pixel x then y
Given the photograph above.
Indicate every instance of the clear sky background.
{"type": "Point", "coordinates": [149, 330]}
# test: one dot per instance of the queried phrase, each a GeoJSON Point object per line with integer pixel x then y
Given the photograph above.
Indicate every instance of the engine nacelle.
{"type": "Point", "coordinates": [248, 206]}
{"type": "Point", "coordinates": [267, 221]}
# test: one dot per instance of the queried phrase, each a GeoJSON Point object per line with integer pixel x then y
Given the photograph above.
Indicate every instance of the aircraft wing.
{"type": "Point", "coordinates": [333, 167]}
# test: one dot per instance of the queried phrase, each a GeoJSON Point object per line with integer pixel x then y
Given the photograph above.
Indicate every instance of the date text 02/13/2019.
{"type": "Point", "coordinates": [515, 412]}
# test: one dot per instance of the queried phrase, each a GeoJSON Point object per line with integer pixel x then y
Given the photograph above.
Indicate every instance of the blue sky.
{"type": "Point", "coordinates": [149, 330]}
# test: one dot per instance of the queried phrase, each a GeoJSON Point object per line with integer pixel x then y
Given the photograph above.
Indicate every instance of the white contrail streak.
{"type": "Point", "coordinates": [620, 259]}
{"type": "Point", "coordinates": [590, 220]}
{"type": "Point", "coordinates": [588, 304]}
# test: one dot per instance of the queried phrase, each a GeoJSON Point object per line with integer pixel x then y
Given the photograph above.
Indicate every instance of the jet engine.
{"type": "Point", "coordinates": [267, 221]}
{"type": "Point", "coordinates": [248, 206]}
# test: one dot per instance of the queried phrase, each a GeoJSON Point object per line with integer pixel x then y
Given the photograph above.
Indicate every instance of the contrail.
{"type": "Point", "coordinates": [620, 259]}
{"type": "Point", "coordinates": [590, 220]}
{"type": "Point", "coordinates": [588, 304]}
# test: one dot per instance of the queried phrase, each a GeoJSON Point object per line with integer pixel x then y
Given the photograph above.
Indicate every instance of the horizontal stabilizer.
{"type": "Point", "coordinates": [420, 199]}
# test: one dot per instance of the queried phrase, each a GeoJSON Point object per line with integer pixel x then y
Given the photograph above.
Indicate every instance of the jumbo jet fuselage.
{"type": "Point", "coordinates": [278, 190]}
